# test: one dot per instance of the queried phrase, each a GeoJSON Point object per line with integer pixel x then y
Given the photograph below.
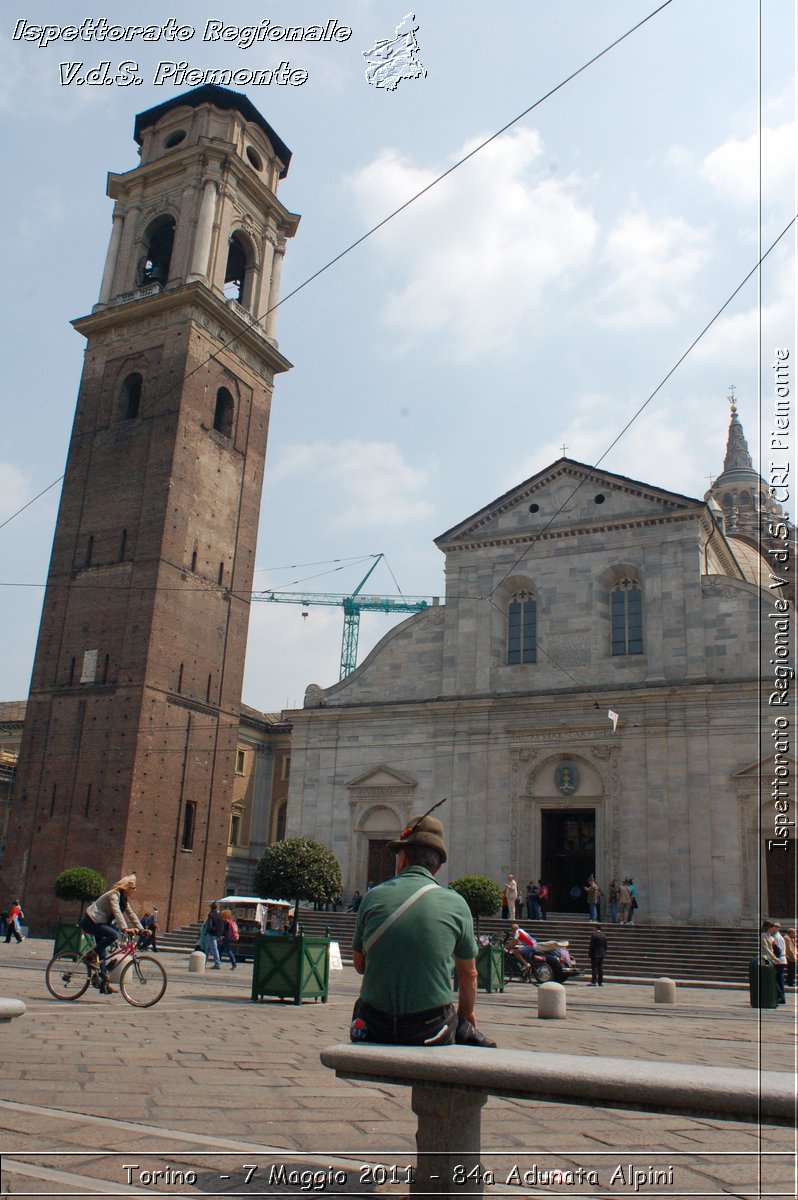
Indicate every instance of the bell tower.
{"type": "Point", "coordinates": [130, 734]}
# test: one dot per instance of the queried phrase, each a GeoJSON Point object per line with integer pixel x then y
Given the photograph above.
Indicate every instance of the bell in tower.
{"type": "Point", "coordinates": [130, 735]}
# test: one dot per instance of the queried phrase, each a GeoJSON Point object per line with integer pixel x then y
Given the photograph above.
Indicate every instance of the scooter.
{"type": "Point", "coordinates": [550, 961]}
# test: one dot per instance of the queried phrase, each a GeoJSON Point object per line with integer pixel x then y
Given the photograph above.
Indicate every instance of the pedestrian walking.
{"type": "Point", "coordinates": [633, 894]}
{"type": "Point", "coordinates": [532, 906]}
{"type": "Point", "coordinates": [543, 899]}
{"type": "Point", "coordinates": [593, 893]}
{"type": "Point", "coordinates": [624, 903]}
{"type": "Point", "coordinates": [791, 952]}
{"type": "Point", "coordinates": [597, 952]}
{"type": "Point", "coordinates": [229, 937]}
{"type": "Point", "coordinates": [214, 932]}
{"type": "Point", "coordinates": [612, 900]}
{"type": "Point", "coordinates": [774, 955]}
{"type": "Point", "coordinates": [511, 888]}
{"type": "Point", "coordinates": [15, 915]}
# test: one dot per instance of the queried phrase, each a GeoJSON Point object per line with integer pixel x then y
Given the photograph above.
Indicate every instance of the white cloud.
{"type": "Point", "coordinates": [654, 263]}
{"type": "Point", "coordinates": [471, 262]}
{"type": "Point", "coordinates": [734, 167]}
{"type": "Point", "coordinates": [14, 489]}
{"type": "Point", "coordinates": [363, 484]}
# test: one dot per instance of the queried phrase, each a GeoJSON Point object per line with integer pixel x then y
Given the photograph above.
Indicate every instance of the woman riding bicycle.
{"type": "Point", "coordinates": [99, 920]}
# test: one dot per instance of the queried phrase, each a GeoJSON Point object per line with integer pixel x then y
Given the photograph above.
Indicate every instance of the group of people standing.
{"type": "Point", "coordinates": [536, 900]}
{"type": "Point", "coordinates": [621, 899]}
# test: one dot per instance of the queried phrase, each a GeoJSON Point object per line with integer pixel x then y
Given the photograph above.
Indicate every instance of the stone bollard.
{"type": "Point", "coordinates": [551, 1000]}
{"type": "Point", "coordinates": [664, 991]}
{"type": "Point", "coordinates": [196, 961]}
{"type": "Point", "coordinates": [10, 1009]}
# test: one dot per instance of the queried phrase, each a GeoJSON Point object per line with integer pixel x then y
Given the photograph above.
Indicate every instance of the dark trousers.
{"type": "Point", "coordinates": [434, 1026]}
{"type": "Point", "coordinates": [104, 936]}
{"type": "Point", "coordinates": [780, 968]}
{"type": "Point", "coordinates": [12, 929]}
{"type": "Point", "coordinates": [597, 970]}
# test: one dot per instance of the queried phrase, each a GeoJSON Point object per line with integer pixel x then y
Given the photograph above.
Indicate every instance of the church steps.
{"type": "Point", "coordinates": [684, 952]}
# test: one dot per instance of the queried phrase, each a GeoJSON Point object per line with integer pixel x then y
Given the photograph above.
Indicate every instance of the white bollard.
{"type": "Point", "coordinates": [551, 1000]}
{"type": "Point", "coordinates": [196, 961]}
{"type": "Point", "coordinates": [664, 991]}
{"type": "Point", "coordinates": [9, 1009]}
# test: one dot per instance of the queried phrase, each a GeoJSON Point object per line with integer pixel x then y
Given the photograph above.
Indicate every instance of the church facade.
{"type": "Point", "coordinates": [588, 699]}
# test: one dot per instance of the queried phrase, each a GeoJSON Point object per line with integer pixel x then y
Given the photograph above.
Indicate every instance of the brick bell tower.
{"type": "Point", "coordinates": [128, 752]}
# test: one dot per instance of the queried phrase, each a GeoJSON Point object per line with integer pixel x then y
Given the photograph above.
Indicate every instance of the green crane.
{"type": "Point", "coordinates": [353, 605]}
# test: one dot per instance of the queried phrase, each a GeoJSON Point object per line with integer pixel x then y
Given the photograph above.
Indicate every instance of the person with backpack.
{"type": "Point", "coordinates": [229, 937]}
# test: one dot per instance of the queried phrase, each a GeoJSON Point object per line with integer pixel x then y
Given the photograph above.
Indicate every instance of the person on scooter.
{"type": "Point", "coordinates": [522, 947]}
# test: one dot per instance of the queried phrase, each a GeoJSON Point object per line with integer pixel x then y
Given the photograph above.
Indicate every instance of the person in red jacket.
{"type": "Point", "coordinates": [15, 915]}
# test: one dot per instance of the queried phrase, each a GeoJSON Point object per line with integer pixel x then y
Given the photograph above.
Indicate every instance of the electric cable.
{"type": "Point", "coordinates": [380, 224]}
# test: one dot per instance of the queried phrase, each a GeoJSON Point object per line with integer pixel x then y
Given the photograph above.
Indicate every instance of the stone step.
{"type": "Point", "coordinates": [645, 951]}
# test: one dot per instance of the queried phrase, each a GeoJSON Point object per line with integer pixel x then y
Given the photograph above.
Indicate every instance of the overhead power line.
{"type": "Point", "coordinates": [385, 220]}
{"type": "Point", "coordinates": [645, 403]}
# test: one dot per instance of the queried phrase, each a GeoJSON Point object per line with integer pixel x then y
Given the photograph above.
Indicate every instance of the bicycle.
{"type": "Point", "coordinates": [142, 981]}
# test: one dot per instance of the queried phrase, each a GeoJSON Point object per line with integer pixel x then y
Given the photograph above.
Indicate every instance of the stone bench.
{"type": "Point", "coordinates": [451, 1084]}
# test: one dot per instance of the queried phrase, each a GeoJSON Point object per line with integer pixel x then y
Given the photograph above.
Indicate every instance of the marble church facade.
{"type": "Point", "coordinates": [578, 594]}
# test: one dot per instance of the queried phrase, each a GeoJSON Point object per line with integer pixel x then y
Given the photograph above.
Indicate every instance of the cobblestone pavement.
{"type": "Point", "coordinates": [96, 1097]}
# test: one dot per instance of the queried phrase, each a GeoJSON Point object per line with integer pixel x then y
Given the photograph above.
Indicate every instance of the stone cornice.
{"type": "Point", "coordinates": [514, 538]}
{"type": "Point", "coordinates": [190, 296]}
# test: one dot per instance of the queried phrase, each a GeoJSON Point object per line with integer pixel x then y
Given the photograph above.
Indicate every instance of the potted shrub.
{"type": "Point", "coordinates": [483, 898]}
{"type": "Point", "coordinates": [83, 885]}
{"type": "Point", "coordinates": [293, 966]}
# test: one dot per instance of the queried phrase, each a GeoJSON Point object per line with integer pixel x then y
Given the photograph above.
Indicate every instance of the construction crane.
{"type": "Point", "coordinates": [353, 605]}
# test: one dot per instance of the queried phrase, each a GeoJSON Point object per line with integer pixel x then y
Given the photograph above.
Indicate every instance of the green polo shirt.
{"type": "Point", "coordinates": [409, 969]}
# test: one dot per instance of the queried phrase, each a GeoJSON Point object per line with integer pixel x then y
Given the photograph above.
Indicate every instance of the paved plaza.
{"type": "Point", "coordinates": [226, 1097]}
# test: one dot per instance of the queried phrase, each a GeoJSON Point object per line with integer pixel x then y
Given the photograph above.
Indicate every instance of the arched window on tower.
{"type": "Point", "coordinates": [522, 632]}
{"type": "Point", "coordinates": [160, 238]}
{"type": "Point", "coordinates": [626, 615]}
{"type": "Point", "coordinates": [239, 271]}
{"type": "Point", "coordinates": [223, 415]}
{"type": "Point", "coordinates": [131, 396]}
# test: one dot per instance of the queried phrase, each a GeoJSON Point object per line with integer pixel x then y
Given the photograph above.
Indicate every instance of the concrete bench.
{"type": "Point", "coordinates": [451, 1084]}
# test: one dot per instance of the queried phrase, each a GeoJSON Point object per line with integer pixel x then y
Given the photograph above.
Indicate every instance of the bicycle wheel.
{"type": "Point", "coordinates": [143, 981]}
{"type": "Point", "coordinates": [67, 976]}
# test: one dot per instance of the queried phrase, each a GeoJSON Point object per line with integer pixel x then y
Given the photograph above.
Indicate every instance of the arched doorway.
{"type": "Point", "coordinates": [560, 831]}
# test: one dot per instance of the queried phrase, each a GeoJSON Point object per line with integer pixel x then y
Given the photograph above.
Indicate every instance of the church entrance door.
{"type": "Point", "coordinates": [382, 862]}
{"type": "Point", "coordinates": [568, 856]}
{"type": "Point", "coordinates": [780, 866]}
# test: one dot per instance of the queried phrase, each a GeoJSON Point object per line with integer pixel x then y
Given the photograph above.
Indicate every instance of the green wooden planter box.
{"type": "Point", "coordinates": [71, 938]}
{"type": "Point", "coordinates": [291, 968]}
{"type": "Point", "coordinates": [490, 968]}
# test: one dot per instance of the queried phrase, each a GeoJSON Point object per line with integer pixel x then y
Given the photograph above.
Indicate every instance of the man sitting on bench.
{"type": "Point", "coordinates": [408, 932]}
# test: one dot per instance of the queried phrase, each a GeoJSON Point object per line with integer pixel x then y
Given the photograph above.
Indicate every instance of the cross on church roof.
{"type": "Point", "coordinates": [732, 398]}
{"type": "Point", "coordinates": [563, 449]}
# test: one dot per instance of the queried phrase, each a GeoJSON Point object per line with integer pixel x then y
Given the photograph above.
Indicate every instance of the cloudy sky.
{"type": "Point", "coordinates": [534, 298]}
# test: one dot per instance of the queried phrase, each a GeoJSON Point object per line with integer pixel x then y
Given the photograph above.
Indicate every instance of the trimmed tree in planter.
{"type": "Point", "coordinates": [298, 869]}
{"type": "Point", "coordinates": [482, 895]}
{"type": "Point", "coordinates": [483, 898]}
{"type": "Point", "coordinates": [291, 966]}
{"type": "Point", "coordinates": [81, 884]}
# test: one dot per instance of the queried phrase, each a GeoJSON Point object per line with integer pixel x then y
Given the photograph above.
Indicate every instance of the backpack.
{"type": "Point", "coordinates": [232, 930]}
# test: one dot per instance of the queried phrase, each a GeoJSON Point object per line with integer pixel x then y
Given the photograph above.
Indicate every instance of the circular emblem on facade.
{"type": "Point", "coordinates": [566, 778]}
